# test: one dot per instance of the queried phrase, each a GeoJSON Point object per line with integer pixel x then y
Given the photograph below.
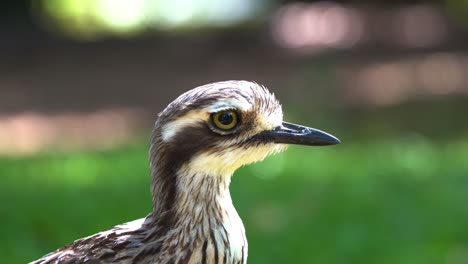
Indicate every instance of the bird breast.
{"type": "Point", "coordinates": [211, 242]}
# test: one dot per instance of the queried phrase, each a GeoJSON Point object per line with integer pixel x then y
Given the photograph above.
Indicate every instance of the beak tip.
{"type": "Point", "coordinates": [331, 140]}
{"type": "Point", "coordinates": [336, 142]}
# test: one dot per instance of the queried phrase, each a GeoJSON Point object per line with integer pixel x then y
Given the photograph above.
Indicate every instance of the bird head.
{"type": "Point", "coordinates": [216, 128]}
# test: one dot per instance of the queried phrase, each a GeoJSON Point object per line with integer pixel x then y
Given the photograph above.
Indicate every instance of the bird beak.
{"type": "Point", "coordinates": [289, 133]}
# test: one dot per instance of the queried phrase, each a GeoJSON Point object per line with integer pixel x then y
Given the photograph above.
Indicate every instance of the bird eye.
{"type": "Point", "coordinates": [225, 120]}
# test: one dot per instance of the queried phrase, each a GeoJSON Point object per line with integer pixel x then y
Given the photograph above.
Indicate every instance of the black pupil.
{"type": "Point", "coordinates": [226, 118]}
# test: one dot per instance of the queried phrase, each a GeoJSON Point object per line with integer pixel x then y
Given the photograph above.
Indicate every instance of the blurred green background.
{"type": "Point", "coordinates": [81, 83]}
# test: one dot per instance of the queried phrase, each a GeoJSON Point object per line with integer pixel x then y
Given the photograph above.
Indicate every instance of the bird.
{"type": "Point", "coordinates": [197, 143]}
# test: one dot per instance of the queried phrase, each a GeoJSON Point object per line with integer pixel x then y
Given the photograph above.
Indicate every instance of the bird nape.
{"type": "Point", "coordinates": [198, 141]}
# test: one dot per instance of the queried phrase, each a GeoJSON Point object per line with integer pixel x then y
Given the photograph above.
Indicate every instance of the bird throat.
{"type": "Point", "coordinates": [192, 196]}
{"type": "Point", "coordinates": [201, 218]}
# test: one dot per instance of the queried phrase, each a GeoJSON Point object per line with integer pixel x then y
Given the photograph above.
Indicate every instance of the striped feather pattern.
{"type": "Point", "coordinates": [193, 220]}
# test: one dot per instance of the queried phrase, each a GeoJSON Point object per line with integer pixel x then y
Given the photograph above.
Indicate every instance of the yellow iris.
{"type": "Point", "coordinates": [225, 120]}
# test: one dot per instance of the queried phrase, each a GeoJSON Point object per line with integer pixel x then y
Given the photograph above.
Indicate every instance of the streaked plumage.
{"type": "Point", "coordinates": [193, 219]}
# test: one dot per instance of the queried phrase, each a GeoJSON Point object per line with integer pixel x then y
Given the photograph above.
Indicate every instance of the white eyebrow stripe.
{"type": "Point", "coordinates": [242, 105]}
{"type": "Point", "coordinates": [169, 130]}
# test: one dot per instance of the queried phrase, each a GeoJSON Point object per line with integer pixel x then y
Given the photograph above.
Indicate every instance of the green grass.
{"type": "Point", "coordinates": [397, 201]}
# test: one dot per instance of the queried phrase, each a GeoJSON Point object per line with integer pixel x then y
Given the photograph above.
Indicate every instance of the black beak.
{"type": "Point", "coordinates": [289, 133]}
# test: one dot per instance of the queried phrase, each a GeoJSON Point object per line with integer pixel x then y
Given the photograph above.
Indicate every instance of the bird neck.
{"type": "Point", "coordinates": [200, 194]}
{"type": "Point", "coordinates": [180, 193]}
{"type": "Point", "coordinates": [202, 219]}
